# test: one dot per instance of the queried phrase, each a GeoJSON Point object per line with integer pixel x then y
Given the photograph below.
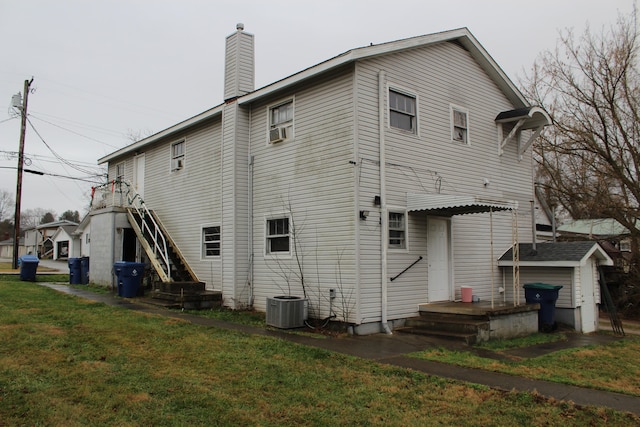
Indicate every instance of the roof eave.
{"type": "Point", "coordinates": [462, 35]}
{"type": "Point", "coordinates": [206, 115]}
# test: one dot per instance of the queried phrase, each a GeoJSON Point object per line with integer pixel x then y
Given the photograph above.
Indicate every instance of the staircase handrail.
{"type": "Point", "coordinates": [135, 201]}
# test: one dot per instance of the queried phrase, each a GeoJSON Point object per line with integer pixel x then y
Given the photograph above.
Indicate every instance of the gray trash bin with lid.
{"type": "Point", "coordinates": [546, 295]}
{"type": "Point", "coordinates": [28, 267]}
{"type": "Point", "coordinates": [130, 276]}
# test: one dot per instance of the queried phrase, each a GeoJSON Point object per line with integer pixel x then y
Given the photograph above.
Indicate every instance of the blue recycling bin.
{"type": "Point", "coordinates": [546, 295]}
{"type": "Point", "coordinates": [84, 270]}
{"type": "Point", "coordinates": [28, 267]}
{"type": "Point", "coordinates": [129, 277]}
{"type": "Point", "coordinates": [75, 272]}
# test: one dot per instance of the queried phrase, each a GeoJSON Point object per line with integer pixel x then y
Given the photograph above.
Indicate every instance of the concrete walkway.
{"type": "Point", "coordinates": [392, 350]}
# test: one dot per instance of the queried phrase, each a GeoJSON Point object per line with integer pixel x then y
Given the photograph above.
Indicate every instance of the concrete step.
{"type": "Point", "coordinates": [467, 338]}
{"type": "Point", "coordinates": [180, 287]}
{"type": "Point", "coordinates": [193, 301]}
{"type": "Point", "coordinates": [463, 325]}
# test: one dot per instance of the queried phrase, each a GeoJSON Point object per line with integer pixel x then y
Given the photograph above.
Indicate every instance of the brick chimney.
{"type": "Point", "coordinates": [239, 68]}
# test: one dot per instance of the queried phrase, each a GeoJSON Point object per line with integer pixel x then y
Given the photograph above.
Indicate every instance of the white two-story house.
{"type": "Point", "coordinates": [385, 177]}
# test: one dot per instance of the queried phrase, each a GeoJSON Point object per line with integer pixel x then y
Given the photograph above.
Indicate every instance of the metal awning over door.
{"type": "Point", "coordinates": [450, 205]}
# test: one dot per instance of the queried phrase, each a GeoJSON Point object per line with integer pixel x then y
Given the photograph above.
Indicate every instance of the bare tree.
{"type": "Point", "coordinates": [6, 204]}
{"type": "Point", "coordinates": [589, 161]}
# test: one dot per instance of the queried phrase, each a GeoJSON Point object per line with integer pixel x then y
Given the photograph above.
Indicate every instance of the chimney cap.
{"type": "Point", "coordinates": [240, 26]}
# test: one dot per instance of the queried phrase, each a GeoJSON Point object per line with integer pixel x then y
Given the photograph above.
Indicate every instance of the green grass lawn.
{"type": "Point", "coordinates": [612, 367]}
{"type": "Point", "coordinates": [68, 361]}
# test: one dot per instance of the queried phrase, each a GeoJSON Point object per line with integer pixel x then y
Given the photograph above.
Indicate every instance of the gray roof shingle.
{"type": "Point", "coordinates": [549, 251]}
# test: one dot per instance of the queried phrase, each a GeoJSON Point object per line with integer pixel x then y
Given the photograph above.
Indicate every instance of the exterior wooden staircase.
{"type": "Point", "coordinates": [176, 284]}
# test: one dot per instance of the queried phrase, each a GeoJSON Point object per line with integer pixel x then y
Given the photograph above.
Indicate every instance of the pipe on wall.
{"type": "Point", "coordinates": [384, 226]}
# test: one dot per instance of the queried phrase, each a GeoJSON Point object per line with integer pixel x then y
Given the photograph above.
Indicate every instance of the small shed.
{"type": "Point", "coordinates": [574, 265]}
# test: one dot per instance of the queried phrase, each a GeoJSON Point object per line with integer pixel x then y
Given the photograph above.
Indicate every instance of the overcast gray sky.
{"type": "Point", "coordinates": [103, 69]}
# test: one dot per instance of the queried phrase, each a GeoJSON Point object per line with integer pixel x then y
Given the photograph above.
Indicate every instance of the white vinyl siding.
{"type": "Point", "coordinates": [440, 76]}
{"type": "Point", "coordinates": [199, 194]}
{"type": "Point", "coordinates": [311, 182]}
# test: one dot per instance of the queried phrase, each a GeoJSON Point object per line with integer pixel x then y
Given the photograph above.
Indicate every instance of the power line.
{"type": "Point", "coordinates": [76, 178]}
{"type": "Point", "coordinates": [14, 154]}
{"type": "Point", "coordinates": [59, 157]}
{"type": "Point", "coordinates": [73, 132]}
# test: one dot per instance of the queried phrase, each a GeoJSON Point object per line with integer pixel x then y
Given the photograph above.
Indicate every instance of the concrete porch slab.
{"type": "Point", "coordinates": [483, 308]}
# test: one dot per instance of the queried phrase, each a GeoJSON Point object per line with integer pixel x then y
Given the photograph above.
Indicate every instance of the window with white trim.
{"type": "Point", "coordinates": [120, 172]}
{"type": "Point", "coordinates": [402, 111]}
{"type": "Point", "coordinates": [211, 241]}
{"type": "Point", "coordinates": [177, 155]}
{"type": "Point", "coordinates": [281, 122]}
{"type": "Point", "coordinates": [278, 237]}
{"type": "Point", "coordinates": [459, 125]}
{"type": "Point", "coordinates": [397, 230]}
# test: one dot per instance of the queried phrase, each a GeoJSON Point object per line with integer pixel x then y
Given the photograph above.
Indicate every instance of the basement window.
{"type": "Point", "coordinates": [278, 236]}
{"type": "Point", "coordinates": [211, 241]}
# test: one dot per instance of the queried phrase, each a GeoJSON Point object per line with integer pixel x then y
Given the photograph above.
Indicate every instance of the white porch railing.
{"type": "Point", "coordinates": [121, 193]}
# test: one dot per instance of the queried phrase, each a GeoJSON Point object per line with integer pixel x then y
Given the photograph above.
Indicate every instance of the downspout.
{"type": "Point", "coordinates": [384, 226]}
{"type": "Point", "coordinates": [114, 280]}
{"type": "Point", "coordinates": [250, 217]}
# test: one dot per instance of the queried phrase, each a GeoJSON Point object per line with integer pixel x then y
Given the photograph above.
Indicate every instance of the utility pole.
{"type": "Point", "coordinates": [23, 128]}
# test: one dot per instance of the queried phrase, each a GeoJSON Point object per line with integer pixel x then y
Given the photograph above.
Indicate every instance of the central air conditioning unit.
{"type": "Point", "coordinates": [286, 312]}
{"type": "Point", "coordinates": [277, 135]}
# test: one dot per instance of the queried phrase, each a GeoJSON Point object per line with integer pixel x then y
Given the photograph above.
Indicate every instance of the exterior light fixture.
{"type": "Point", "coordinates": [364, 214]}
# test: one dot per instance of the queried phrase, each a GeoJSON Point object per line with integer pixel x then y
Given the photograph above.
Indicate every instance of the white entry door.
{"type": "Point", "coordinates": [438, 276]}
{"type": "Point", "coordinates": [138, 174]}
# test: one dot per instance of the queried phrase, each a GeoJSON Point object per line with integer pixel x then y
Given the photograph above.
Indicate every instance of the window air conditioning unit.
{"type": "Point", "coordinates": [177, 164]}
{"type": "Point", "coordinates": [277, 135]}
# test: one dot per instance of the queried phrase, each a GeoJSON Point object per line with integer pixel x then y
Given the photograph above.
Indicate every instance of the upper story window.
{"type": "Point", "coordinates": [281, 122]}
{"type": "Point", "coordinates": [177, 155]}
{"type": "Point", "coordinates": [278, 235]}
{"type": "Point", "coordinates": [459, 125]}
{"type": "Point", "coordinates": [120, 172]}
{"type": "Point", "coordinates": [397, 230]}
{"type": "Point", "coordinates": [402, 111]}
{"type": "Point", "coordinates": [211, 241]}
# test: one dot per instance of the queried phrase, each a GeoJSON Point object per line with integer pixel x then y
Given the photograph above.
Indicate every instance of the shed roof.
{"type": "Point", "coordinates": [561, 254]}
{"type": "Point", "coordinates": [594, 227]}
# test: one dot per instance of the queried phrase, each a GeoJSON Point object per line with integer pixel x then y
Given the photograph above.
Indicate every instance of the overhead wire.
{"type": "Point", "coordinates": [58, 156]}
{"type": "Point", "coordinates": [73, 132]}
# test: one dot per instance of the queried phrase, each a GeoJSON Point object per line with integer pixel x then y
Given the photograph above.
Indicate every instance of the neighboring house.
{"type": "Point", "coordinates": [613, 237]}
{"type": "Point", "coordinates": [39, 239]}
{"type": "Point", "coordinates": [351, 183]}
{"type": "Point", "coordinates": [64, 242]}
{"type": "Point", "coordinates": [572, 265]}
{"type": "Point", "coordinates": [82, 238]}
{"type": "Point", "coordinates": [6, 248]}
